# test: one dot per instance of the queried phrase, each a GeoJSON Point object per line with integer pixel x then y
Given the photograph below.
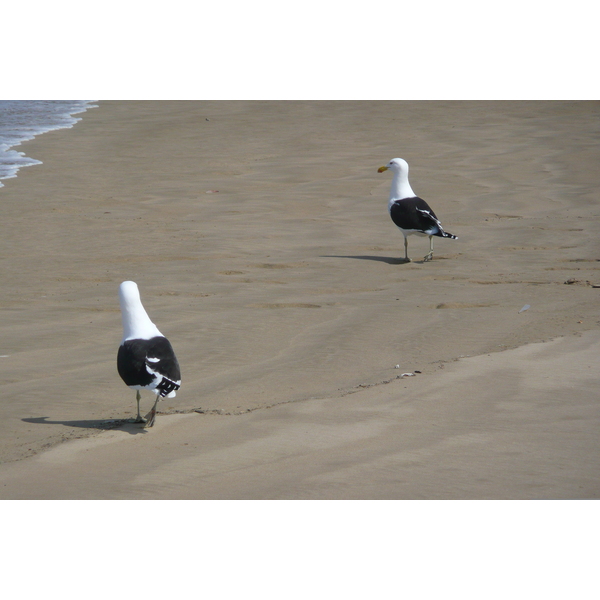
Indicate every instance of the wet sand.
{"type": "Point", "coordinates": [259, 236]}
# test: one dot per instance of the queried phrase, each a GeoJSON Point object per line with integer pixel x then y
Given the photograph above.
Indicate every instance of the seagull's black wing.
{"type": "Point", "coordinates": [140, 362]}
{"type": "Point", "coordinates": [414, 214]}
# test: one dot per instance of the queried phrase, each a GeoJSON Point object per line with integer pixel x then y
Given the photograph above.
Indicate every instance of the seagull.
{"type": "Point", "coordinates": [146, 360]}
{"type": "Point", "coordinates": [410, 213]}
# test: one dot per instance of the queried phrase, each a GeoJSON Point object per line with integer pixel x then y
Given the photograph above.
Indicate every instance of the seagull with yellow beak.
{"type": "Point", "coordinates": [411, 214]}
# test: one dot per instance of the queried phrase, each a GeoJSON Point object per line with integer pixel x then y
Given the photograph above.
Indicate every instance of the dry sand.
{"type": "Point", "coordinates": [259, 236]}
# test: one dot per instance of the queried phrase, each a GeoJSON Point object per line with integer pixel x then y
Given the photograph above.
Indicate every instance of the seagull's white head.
{"type": "Point", "coordinates": [399, 165]}
{"type": "Point", "coordinates": [129, 292]}
{"type": "Point", "coordinates": [400, 186]}
{"type": "Point", "coordinates": [136, 322]}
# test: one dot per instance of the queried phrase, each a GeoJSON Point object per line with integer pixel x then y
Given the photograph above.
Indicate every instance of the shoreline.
{"type": "Point", "coordinates": [258, 234]}
{"type": "Point", "coordinates": [39, 122]}
{"type": "Point", "coordinates": [455, 440]}
{"type": "Point", "coordinates": [100, 427]}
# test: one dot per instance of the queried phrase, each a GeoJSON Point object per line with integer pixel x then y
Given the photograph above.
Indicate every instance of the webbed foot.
{"type": "Point", "coordinates": [150, 418]}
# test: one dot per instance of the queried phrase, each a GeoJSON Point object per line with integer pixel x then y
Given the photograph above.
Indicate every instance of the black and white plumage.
{"type": "Point", "coordinates": [146, 360]}
{"type": "Point", "coordinates": [411, 214]}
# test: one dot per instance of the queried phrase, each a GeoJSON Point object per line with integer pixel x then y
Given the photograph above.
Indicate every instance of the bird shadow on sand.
{"type": "Point", "coordinates": [386, 259]}
{"type": "Point", "coordinates": [99, 425]}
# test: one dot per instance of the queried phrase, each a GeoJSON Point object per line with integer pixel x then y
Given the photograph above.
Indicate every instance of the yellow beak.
{"type": "Point", "coordinates": [382, 169]}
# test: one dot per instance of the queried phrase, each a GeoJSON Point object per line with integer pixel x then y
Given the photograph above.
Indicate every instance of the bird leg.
{"type": "Point", "coordinates": [151, 416]}
{"type": "Point", "coordinates": [430, 255]}
{"type": "Point", "coordinates": [406, 259]}
{"type": "Point", "coordinates": [139, 418]}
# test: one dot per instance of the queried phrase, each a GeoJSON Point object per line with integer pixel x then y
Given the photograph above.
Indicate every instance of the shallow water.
{"type": "Point", "coordinates": [22, 120]}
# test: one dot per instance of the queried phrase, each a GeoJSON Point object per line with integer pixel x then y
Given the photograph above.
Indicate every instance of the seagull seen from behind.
{"type": "Point", "coordinates": [146, 360]}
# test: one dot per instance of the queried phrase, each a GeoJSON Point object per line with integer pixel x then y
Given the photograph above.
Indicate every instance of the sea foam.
{"type": "Point", "coordinates": [22, 120]}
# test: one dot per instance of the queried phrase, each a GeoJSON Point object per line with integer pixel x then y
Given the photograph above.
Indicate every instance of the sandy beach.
{"type": "Point", "coordinates": [259, 236]}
